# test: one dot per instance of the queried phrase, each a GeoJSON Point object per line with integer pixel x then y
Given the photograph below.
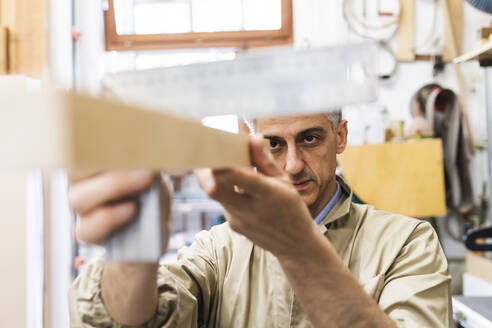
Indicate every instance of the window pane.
{"type": "Point", "coordinates": [123, 12]}
{"type": "Point", "coordinates": [262, 14]}
{"type": "Point", "coordinates": [183, 16]}
{"type": "Point", "coordinates": [216, 15]}
{"type": "Point", "coordinates": [166, 17]}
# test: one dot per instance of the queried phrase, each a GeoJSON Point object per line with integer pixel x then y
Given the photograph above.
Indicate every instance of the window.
{"type": "Point", "coordinates": [180, 24]}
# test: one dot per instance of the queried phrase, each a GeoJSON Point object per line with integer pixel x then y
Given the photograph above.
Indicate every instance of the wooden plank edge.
{"type": "Point", "coordinates": [65, 130]}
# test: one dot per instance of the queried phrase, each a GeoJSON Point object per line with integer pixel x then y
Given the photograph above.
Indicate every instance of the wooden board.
{"type": "Point", "coordinates": [479, 266]}
{"type": "Point", "coordinates": [58, 130]}
{"type": "Point", "coordinates": [27, 21]}
{"type": "Point", "coordinates": [4, 47]}
{"type": "Point", "coordinates": [453, 35]}
{"type": "Point", "coordinates": [405, 178]}
{"type": "Point", "coordinates": [406, 31]}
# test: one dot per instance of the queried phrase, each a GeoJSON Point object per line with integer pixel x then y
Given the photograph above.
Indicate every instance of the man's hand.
{"type": "Point", "coordinates": [105, 202]}
{"type": "Point", "coordinates": [264, 205]}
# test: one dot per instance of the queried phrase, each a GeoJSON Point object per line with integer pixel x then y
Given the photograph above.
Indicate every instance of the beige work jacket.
{"type": "Point", "coordinates": [224, 280]}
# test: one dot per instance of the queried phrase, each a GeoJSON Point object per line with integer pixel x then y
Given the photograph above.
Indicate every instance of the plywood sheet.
{"type": "Point", "coordinates": [27, 21]}
{"type": "Point", "coordinates": [405, 178]}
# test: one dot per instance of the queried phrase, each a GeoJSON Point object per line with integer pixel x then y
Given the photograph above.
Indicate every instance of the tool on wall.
{"type": "Point", "coordinates": [479, 240]}
{"type": "Point", "coordinates": [375, 23]}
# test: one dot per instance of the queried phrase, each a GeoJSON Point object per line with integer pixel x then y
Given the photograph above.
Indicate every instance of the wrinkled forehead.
{"type": "Point", "coordinates": [291, 125]}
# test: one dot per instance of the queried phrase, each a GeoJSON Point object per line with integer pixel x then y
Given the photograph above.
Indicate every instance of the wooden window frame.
{"type": "Point", "coordinates": [232, 39]}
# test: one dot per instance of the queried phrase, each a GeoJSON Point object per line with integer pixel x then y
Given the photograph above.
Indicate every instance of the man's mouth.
{"type": "Point", "coordinates": [301, 185]}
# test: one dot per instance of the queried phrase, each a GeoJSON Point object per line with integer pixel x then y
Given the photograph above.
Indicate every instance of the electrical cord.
{"type": "Point", "coordinates": [357, 25]}
{"type": "Point", "coordinates": [386, 47]}
{"type": "Point", "coordinates": [352, 21]}
{"type": "Point", "coordinates": [430, 39]}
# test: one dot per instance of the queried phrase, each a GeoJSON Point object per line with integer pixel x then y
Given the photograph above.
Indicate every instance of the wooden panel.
{"type": "Point", "coordinates": [4, 64]}
{"type": "Point", "coordinates": [406, 31]}
{"type": "Point", "coordinates": [28, 35]}
{"type": "Point", "coordinates": [405, 178]}
{"type": "Point", "coordinates": [70, 131]}
{"type": "Point", "coordinates": [452, 38]}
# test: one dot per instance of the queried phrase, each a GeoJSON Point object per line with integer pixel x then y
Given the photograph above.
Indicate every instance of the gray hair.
{"type": "Point", "coordinates": [335, 117]}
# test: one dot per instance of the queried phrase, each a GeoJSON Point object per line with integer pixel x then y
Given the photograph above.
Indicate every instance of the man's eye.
{"type": "Point", "coordinates": [274, 143]}
{"type": "Point", "coordinates": [310, 139]}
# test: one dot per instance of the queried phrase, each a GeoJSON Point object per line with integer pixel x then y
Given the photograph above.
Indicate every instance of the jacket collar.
{"type": "Point", "coordinates": [342, 207]}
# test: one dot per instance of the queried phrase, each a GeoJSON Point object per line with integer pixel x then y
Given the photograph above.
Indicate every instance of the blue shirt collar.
{"type": "Point", "coordinates": [324, 212]}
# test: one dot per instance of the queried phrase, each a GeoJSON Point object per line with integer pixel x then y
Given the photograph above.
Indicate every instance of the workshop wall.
{"type": "Point", "coordinates": [321, 23]}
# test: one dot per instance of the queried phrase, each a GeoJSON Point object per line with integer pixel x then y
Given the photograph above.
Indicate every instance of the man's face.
{"type": "Point", "coordinates": [306, 148]}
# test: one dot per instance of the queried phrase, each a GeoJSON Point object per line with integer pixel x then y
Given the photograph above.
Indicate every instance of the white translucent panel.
{"type": "Point", "coordinates": [216, 15]}
{"type": "Point", "coordinates": [176, 58]}
{"type": "Point", "coordinates": [262, 14]}
{"type": "Point", "coordinates": [272, 82]}
{"type": "Point", "coordinates": [165, 17]}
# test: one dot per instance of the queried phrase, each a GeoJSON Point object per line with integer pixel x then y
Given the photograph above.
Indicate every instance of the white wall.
{"type": "Point", "coordinates": [320, 23]}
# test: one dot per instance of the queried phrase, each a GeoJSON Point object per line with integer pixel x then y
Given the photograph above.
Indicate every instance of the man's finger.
{"type": "Point", "coordinates": [261, 157]}
{"type": "Point", "coordinates": [88, 194]}
{"type": "Point", "coordinates": [78, 175]}
{"type": "Point", "coordinates": [218, 185]}
{"type": "Point", "coordinates": [98, 225]}
{"type": "Point", "coordinates": [248, 181]}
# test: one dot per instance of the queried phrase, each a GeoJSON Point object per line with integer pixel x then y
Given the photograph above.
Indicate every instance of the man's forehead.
{"type": "Point", "coordinates": [291, 124]}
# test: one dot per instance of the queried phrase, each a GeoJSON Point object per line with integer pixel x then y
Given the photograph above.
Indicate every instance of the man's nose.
{"type": "Point", "coordinates": [294, 163]}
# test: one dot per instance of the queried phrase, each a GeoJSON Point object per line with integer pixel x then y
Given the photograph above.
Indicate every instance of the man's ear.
{"type": "Point", "coordinates": [341, 133]}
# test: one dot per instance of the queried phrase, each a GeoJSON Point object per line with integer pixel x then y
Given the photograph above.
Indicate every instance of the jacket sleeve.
{"type": "Point", "coordinates": [186, 291]}
{"type": "Point", "coordinates": [416, 290]}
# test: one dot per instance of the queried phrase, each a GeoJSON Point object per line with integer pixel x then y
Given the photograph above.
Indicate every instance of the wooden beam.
{"type": "Point", "coordinates": [453, 52]}
{"type": "Point", "coordinates": [4, 50]}
{"type": "Point", "coordinates": [73, 131]}
{"type": "Point", "coordinates": [406, 32]}
{"type": "Point", "coordinates": [453, 29]}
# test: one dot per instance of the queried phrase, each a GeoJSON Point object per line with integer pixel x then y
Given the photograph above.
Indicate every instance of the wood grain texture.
{"type": "Point", "coordinates": [4, 46]}
{"type": "Point", "coordinates": [453, 29]}
{"type": "Point", "coordinates": [27, 21]}
{"type": "Point", "coordinates": [75, 131]}
{"type": "Point", "coordinates": [406, 32]}
{"type": "Point", "coordinates": [405, 178]}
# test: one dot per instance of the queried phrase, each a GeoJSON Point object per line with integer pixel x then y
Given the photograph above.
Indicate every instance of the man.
{"type": "Point", "coordinates": [296, 252]}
